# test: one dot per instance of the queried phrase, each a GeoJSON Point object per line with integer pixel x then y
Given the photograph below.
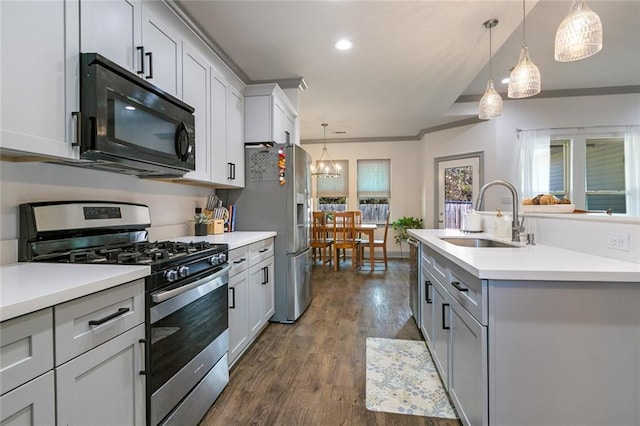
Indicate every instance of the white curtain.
{"type": "Point", "coordinates": [533, 162]}
{"type": "Point", "coordinates": [632, 169]}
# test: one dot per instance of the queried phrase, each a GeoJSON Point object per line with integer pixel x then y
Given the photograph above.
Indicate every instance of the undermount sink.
{"type": "Point", "coordinates": [478, 242]}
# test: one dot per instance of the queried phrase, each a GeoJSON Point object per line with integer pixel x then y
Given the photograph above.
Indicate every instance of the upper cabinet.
{"type": "Point", "coordinates": [40, 60]}
{"type": "Point", "coordinates": [269, 115]}
{"type": "Point", "coordinates": [113, 29]}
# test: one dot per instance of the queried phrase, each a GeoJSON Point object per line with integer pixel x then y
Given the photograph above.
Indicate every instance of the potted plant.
{"type": "Point", "coordinates": [201, 221]}
{"type": "Point", "coordinates": [401, 225]}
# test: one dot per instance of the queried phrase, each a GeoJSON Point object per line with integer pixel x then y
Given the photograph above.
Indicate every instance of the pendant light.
{"type": "Point", "coordinates": [326, 167]}
{"type": "Point", "coordinates": [491, 102]}
{"type": "Point", "coordinates": [579, 34]}
{"type": "Point", "coordinates": [524, 80]}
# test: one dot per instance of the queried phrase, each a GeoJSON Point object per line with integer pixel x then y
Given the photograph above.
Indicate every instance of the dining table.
{"type": "Point", "coordinates": [367, 229]}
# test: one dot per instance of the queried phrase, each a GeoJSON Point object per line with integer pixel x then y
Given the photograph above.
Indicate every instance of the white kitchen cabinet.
{"type": "Point", "coordinates": [113, 29]}
{"type": "Point", "coordinates": [196, 92]}
{"type": "Point", "coordinates": [219, 118]}
{"type": "Point", "coordinates": [40, 42]}
{"type": "Point", "coordinates": [238, 315]}
{"type": "Point", "coordinates": [441, 331]}
{"type": "Point", "coordinates": [235, 140]}
{"type": "Point", "coordinates": [269, 115]}
{"type": "Point", "coordinates": [30, 404]}
{"type": "Point", "coordinates": [261, 295]}
{"type": "Point", "coordinates": [162, 42]}
{"type": "Point", "coordinates": [106, 385]}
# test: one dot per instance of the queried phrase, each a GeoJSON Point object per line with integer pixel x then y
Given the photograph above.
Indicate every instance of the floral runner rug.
{"type": "Point", "coordinates": [401, 378]}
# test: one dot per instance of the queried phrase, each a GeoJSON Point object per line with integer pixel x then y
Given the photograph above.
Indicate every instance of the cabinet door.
{"type": "Point", "coordinates": [468, 385]}
{"type": "Point", "coordinates": [162, 44]}
{"type": "Point", "coordinates": [112, 28]}
{"type": "Point", "coordinates": [426, 306]}
{"type": "Point", "coordinates": [279, 121]}
{"type": "Point", "coordinates": [268, 291]}
{"type": "Point", "coordinates": [441, 327]}
{"type": "Point", "coordinates": [235, 142]}
{"type": "Point", "coordinates": [39, 52]}
{"type": "Point", "coordinates": [238, 315]}
{"type": "Point", "coordinates": [256, 282]}
{"type": "Point", "coordinates": [31, 404]}
{"type": "Point", "coordinates": [195, 92]}
{"type": "Point", "coordinates": [105, 385]}
{"type": "Point", "coordinates": [219, 102]}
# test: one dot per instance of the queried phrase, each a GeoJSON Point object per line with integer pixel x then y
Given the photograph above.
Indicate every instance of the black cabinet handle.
{"type": "Point", "coordinates": [287, 136]}
{"type": "Point", "coordinates": [121, 311]}
{"type": "Point", "coordinates": [263, 250]}
{"type": "Point", "coordinates": [242, 259]}
{"type": "Point", "coordinates": [233, 298]}
{"type": "Point", "coordinates": [427, 284]}
{"type": "Point", "coordinates": [141, 50]}
{"type": "Point", "coordinates": [233, 168]}
{"type": "Point", "coordinates": [150, 55]}
{"type": "Point", "coordinates": [458, 287]}
{"type": "Point", "coordinates": [444, 317]}
{"type": "Point", "coordinates": [266, 271]}
{"type": "Point", "coordinates": [265, 275]}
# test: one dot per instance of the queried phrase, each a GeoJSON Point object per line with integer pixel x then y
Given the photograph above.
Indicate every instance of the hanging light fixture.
{"type": "Point", "coordinates": [491, 102]}
{"type": "Point", "coordinates": [326, 167]}
{"type": "Point", "coordinates": [579, 34]}
{"type": "Point", "coordinates": [524, 80]}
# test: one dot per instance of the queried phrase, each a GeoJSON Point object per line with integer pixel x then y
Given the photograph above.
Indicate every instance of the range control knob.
{"type": "Point", "coordinates": [222, 258]}
{"type": "Point", "coordinates": [171, 275]}
{"type": "Point", "coordinates": [183, 271]}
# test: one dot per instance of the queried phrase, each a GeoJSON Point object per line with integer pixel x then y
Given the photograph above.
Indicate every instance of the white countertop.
{"type": "Point", "coordinates": [538, 262]}
{"type": "Point", "coordinates": [27, 287]}
{"type": "Point", "coordinates": [234, 239]}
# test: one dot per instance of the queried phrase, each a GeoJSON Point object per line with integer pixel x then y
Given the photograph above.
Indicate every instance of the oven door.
{"type": "Point", "coordinates": [187, 335]}
{"type": "Point", "coordinates": [126, 119]}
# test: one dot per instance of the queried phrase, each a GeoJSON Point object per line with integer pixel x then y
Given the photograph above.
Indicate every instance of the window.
{"type": "Point", "coordinates": [332, 193]}
{"type": "Point", "coordinates": [374, 189]}
{"type": "Point", "coordinates": [605, 188]}
{"type": "Point", "coordinates": [559, 169]}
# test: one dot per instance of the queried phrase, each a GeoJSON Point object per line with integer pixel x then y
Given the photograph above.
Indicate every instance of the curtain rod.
{"type": "Point", "coordinates": [580, 128]}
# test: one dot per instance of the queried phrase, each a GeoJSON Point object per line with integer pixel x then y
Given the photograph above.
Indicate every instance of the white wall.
{"type": "Point", "coordinates": [406, 166]}
{"type": "Point", "coordinates": [171, 204]}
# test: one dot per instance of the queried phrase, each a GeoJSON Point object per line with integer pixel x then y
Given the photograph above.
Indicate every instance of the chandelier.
{"type": "Point", "coordinates": [579, 35]}
{"type": "Point", "coordinates": [524, 80]}
{"type": "Point", "coordinates": [326, 167]}
{"type": "Point", "coordinates": [491, 102]}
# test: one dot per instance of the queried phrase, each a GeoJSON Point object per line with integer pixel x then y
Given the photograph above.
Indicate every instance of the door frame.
{"type": "Point", "coordinates": [436, 190]}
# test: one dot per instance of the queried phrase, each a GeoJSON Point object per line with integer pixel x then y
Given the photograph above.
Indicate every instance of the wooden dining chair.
{"type": "Point", "coordinates": [320, 239]}
{"type": "Point", "coordinates": [378, 243]}
{"type": "Point", "coordinates": [344, 237]}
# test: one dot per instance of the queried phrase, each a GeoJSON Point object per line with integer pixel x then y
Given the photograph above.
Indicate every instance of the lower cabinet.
{"type": "Point", "coordinates": [468, 385]}
{"type": "Point", "coordinates": [441, 331]}
{"type": "Point", "coordinates": [30, 404]}
{"type": "Point", "coordinates": [426, 306]}
{"type": "Point", "coordinates": [106, 385]}
{"type": "Point", "coordinates": [251, 294]}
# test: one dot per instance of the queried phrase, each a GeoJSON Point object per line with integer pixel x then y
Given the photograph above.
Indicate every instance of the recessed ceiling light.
{"type": "Point", "coordinates": [130, 108]}
{"type": "Point", "coordinates": [343, 44]}
{"type": "Point", "coordinates": [505, 80]}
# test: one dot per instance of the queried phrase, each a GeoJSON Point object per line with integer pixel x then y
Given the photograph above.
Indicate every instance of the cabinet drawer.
{"type": "Point", "coordinates": [469, 291]}
{"type": "Point", "coordinates": [239, 260]}
{"type": "Point", "coordinates": [26, 348]}
{"type": "Point", "coordinates": [260, 250]}
{"type": "Point", "coordinates": [435, 264]}
{"type": "Point", "coordinates": [85, 323]}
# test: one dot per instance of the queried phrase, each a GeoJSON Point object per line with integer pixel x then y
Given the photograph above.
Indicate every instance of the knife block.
{"type": "Point", "coordinates": [216, 227]}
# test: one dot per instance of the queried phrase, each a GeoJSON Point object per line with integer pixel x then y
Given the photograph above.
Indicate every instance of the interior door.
{"type": "Point", "coordinates": [458, 185]}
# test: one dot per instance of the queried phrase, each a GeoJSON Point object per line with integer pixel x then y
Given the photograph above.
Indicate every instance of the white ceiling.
{"type": "Point", "coordinates": [411, 60]}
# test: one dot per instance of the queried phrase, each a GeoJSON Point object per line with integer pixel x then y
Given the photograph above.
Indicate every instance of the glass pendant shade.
{"type": "Point", "coordinates": [490, 104]}
{"type": "Point", "coordinates": [579, 34]}
{"type": "Point", "coordinates": [524, 80]}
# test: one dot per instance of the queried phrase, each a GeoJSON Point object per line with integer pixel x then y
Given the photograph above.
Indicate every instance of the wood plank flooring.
{"type": "Point", "coordinates": [312, 372]}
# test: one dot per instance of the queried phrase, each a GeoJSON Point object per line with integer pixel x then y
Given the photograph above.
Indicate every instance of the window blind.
{"type": "Point", "coordinates": [373, 179]}
{"type": "Point", "coordinates": [334, 187]}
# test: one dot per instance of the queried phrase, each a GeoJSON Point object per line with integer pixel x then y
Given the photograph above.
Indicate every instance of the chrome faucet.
{"type": "Point", "coordinates": [516, 228]}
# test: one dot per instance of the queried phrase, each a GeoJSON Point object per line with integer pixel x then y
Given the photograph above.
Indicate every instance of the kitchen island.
{"type": "Point", "coordinates": [532, 334]}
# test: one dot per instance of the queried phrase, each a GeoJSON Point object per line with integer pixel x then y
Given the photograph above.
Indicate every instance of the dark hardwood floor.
{"type": "Point", "coordinates": [312, 372]}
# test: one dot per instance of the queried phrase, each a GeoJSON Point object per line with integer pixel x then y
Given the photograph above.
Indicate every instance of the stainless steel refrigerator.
{"type": "Point", "coordinates": [267, 205]}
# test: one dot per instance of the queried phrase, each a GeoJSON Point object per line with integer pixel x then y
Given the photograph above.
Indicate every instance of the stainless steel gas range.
{"type": "Point", "coordinates": [187, 335]}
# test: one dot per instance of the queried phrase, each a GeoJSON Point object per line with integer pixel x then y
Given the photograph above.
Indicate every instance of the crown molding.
{"type": "Point", "coordinates": [562, 93]}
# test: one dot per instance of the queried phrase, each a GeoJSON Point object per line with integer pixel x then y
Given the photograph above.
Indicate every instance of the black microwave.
{"type": "Point", "coordinates": [128, 125]}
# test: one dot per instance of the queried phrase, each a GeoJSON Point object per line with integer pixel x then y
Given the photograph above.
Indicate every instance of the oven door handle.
{"type": "Point", "coordinates": [165, 295]}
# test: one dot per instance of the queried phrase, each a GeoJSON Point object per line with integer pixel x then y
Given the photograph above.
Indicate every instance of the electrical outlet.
{"type": "Point", "coordinates": [618, 241]}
